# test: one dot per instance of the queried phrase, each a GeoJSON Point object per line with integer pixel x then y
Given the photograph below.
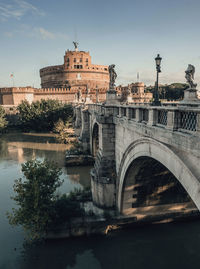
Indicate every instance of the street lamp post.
{"type": "Point", "coordinates": [156, 101]}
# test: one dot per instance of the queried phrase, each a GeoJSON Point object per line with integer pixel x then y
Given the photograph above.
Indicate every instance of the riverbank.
{"type": "Point", "coordinates": [98, 224]}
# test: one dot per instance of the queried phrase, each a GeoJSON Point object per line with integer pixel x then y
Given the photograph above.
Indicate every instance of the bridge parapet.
{"type": "Point", "coordinates": [183, 119]}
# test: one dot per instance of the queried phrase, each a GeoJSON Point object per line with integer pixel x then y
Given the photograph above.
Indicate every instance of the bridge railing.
{"type": "Point", "coordinates": [176, 118]}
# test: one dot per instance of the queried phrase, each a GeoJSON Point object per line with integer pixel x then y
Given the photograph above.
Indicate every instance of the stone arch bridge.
{"type": "Point", "coordinates": [144, 155]}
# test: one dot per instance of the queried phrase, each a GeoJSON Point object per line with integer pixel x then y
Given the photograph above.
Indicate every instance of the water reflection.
{"type": "Point", "coordinates": [27, 146]}
{"type": "Point", "coordinates": [14, 150]}
{"type": "Point", "coordinates": [157, 246]}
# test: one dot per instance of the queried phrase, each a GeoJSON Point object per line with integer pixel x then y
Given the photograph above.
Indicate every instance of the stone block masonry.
{"type": "Point", "coordinates": [15, 95]}
{"type": "Point", "coordinates": [143, 136]}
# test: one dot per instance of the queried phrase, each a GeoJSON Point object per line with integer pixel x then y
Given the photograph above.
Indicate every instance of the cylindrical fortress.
{"type": "Point", "coordinates": [77, 70]}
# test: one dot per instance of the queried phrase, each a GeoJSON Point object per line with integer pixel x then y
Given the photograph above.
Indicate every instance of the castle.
{"type": "Point", "coordinates": [68, 83]}
{"type": "Point", "coordinates": [71, 82]}
{"type": "Point", "coordinates": [77, 72]}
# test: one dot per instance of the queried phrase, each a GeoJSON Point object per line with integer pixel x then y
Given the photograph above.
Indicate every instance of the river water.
{"type": "Point", "coordinates": [175, 245]}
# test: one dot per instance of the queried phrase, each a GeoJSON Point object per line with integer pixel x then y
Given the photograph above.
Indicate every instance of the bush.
{"type": "Point", "coordinates": [35, 196]}
{"type": "Point", "coordinates": [76, 149]}
{"type": "Point", "coordinates": [81, 195]}
{"type": "Point", "coordinates": [39, 208]}
{"type": "Point", "coordinates": [3, 121]}
{"type": "Point", "coordinates": [64, 131]}
{"type": "Point", "coordinates": [65, 208]}
{"type": "Point", "coordinates": [42, 115]}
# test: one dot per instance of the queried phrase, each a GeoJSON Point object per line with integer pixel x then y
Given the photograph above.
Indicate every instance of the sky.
{"type": "Point", "coordinates": [127, 33]}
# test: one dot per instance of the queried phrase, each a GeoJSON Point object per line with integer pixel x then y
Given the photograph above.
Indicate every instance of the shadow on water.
{"type": "Point", "coordinates": [157, 246]}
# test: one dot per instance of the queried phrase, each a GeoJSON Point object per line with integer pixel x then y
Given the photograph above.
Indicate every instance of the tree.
{"type": "Point", "coordinates": [42, 115]}
{"type": "Point", "coordinates": [3, 121]}
{"type": "Point", "coordinates": [174, 91]}
{"type": "Point", "coordinates": [35, 197]}
{"type": "Point", "coordinates": [64, 131]}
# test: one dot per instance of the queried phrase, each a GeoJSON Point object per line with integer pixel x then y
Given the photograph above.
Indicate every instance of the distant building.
{"type": "Point", "coordinates": [76, 71]}
{"type": "Point", "coordinates": [136, 93]}
{"type": "Point", "coordinates": [13, 96]}
{"type": "Point", "coordinates": [71, 82]}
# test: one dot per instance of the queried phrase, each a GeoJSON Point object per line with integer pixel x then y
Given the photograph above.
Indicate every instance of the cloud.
{"type": "Point", "coordinates": [16, 9]}
{"type": "Point", "coordinates": [44, 34]}
{"type": "Point", "coordinates": [35, 32]}
{"type": "Point", "coordinates": [9, 34]}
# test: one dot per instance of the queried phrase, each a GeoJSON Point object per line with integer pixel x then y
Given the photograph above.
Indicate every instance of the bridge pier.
{"type": "Point", "coordinates": [77, 113]}
{"type": "Point", "coordinates": [85, 130]}
{"type": "Point", "coordinates": [103, 175]}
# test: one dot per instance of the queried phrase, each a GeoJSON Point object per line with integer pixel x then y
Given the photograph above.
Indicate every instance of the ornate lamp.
{"type": "Point", "coordinates": [158, 62]}
{"type": "Point", "coordinates": [156, 101]}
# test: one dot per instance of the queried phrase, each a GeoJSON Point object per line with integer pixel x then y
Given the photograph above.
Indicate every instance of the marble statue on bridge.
{"type": "Point", "coordinates": [113, 75]}
{"type": "Point", "coordinates": [189, 75]}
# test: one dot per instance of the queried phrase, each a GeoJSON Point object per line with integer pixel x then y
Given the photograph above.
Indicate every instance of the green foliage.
{"type": "Point", "coordinates": [69, 206]}
{"type": "Point", "coordinates": [3, 121]}
{"type": "Point", "coordinates": [42, 115]}
{"type": "Point", "coordinates": [81, 195]}
{"type": "Point", "coordinates": [76, 149]}
{"type": "Point", "coordinates": [39, 208]}
{"type": "Point", "coordinates": [65, 208]}
{"type": "Point", "coordinates": [174, 91]}
{"type": "Point", "coordinates": [64, 131]}
{"type": "Point", "coordinates": [35, 197]}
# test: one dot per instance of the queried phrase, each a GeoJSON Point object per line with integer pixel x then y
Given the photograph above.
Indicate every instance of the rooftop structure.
{"type": "Point", "coordinates": [77, 70]}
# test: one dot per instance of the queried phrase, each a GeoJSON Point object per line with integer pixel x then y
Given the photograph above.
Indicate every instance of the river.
{"type": "Point", "coordinates": [175, 245]}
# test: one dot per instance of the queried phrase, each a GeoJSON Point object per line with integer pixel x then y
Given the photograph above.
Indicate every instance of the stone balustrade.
{"type": "Point", "coordinates": [175, 118]}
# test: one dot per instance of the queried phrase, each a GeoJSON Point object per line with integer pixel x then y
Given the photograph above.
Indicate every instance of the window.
{"type": "Point", "coordinates": [67, 59]}
{"type": "Point", "coordinates": [78, 66]}
{"type": "Point", "coordinates": [81, 60]}
{"type": "Point", "coordinates": [74, 60]}
{"type": "Point", "coordinates": [86, 60]}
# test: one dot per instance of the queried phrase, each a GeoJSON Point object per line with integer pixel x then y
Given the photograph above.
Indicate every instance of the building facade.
{"type": "Point", "coordinates": [76, 71]}
{"type": "Point", "coordinates": [13, 96]}
{"type": "Point", "coordinates": [135, 92]}
{"type": "Point", "coordinates": [76, 80]}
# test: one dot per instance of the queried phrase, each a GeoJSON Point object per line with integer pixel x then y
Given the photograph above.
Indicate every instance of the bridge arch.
{"type": "Point", "coordinates": [95, 139]}
{"type": "Point", "coordinates": [149, 148]}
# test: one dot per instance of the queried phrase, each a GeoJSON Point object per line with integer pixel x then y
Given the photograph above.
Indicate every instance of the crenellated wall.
{"type": "Point", "coordinates": [15, 95]}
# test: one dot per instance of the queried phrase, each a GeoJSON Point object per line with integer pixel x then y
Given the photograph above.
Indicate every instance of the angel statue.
{"type": "Point", "coordinates": [75, 45]}
{"type": "Point", "coordinates": [113, 75]}
{"type": "Point", "coordinates": [189, 75]}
